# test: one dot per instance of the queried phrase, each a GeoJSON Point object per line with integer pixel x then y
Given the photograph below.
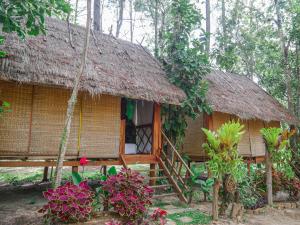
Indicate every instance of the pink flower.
{"type": "Point", "coordinates": [83, 161]}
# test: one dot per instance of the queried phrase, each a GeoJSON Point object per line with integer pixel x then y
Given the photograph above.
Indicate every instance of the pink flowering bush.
{"type": "Point", "coordinates": [128, 194]}
{"type": "Point", "coordinates": [68, 203]}
{"type": "Point", "coordinates": [159, 215]}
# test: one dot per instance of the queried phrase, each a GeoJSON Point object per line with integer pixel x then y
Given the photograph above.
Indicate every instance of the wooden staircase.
{"type": "Point", "coordinates": [170, 175]}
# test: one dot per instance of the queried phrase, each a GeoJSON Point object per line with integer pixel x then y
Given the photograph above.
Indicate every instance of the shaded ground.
{"type": "Point", "coordinates": [19, 205]}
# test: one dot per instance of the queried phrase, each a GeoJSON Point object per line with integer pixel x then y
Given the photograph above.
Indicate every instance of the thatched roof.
{"type": "Point", "coordinates": [238, 95]}
{"type": "Point", "coordinates": [114, 66]}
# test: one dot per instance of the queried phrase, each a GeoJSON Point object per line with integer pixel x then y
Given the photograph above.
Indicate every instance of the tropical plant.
{"type": "Point", "coordinates": [186, 64]}
{"type": "Point", "coordinates": [277, 142]}
{"type": "Point", "coordinates": [128, 194]}
{"type": "Point", "coordinates": [200, 180]}
{"type": "Point", "coordinates": [248, 190]}
{"type": "Point", "coordinates": [159, 216]}
{"type": "Point", "coordinates": [101, 196]}
{"type": "Point", "coordinates": [68, 203]}
{"type": "Point", "coordinates": [224, 160]}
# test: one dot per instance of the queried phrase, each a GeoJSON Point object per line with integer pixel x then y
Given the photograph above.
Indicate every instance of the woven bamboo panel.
{"type": "Point", "coordinates": [48, 118]}
{"type": "Point", "coordinates": [244, 146]}
{"type": "Point", "coordinates": [219, 119]}
{"type": "Point", "coordinates": [100, 134]}
{"type": "Point", "coordinates": [194, 137]}
{"type": "Point", "coordinates": [256, 139]}
{"type": "Point", "coordinates": [15, 125]}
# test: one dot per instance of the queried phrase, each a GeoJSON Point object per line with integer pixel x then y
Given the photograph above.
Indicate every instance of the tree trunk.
{"type": "Point", "coordinates": [156, 29]}
{"type": "Point", "coordinates": [76, 12]}
{"type": "Point", "coordinates": [223, 18]}
{"type": "Point", "coordinates": [285, 54]}
{"type": "Point", "coordinates": [207, 10]}
{"type": "Point", "coordinates": [72, 102]}
{"type": "Point", "coordinates": [131, 21]}
{"type": "Point", "coordinates": [97, 22]}
{"type": "Point", "coordinates": [120, 17]}
{"type": "Point", "coordinates": [215, 203]}
{"type": "Point", "coordinates": [269, 178]}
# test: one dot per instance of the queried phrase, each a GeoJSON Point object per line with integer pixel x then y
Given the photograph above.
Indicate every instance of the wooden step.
{"type": "Point", "coordinates": [154, 178]}
{"type": "Point", "coordinates": [164, 195]}
{"type": "Point", "coordinates": [149, 170]}
{"type": "Point", "coordinates": [161, 186]}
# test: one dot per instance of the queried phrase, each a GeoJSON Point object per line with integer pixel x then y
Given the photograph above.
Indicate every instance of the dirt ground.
{"type": "Point", "coordinates": [19, 206]}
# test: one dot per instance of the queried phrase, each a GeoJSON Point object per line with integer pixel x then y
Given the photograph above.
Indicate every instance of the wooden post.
{"type": "Point", "coordinates": [156, 131]}
{"type": "Point", "coordinates": [249, 167]}
{"type": "Point", "coordinates": [45, 175]}
{"type": "Point", "coordinates": [122, 137]}
{"type": "Point", "coordinates": [152, 174]}
{"type": "Point", "coordinates": [269, 178]}
{"type": "Point", "coordinates": [156, 140]}
{"type": "Point", "coordinates": [75, 169]}
{"type": "Point", "coordinates": [215, 203]}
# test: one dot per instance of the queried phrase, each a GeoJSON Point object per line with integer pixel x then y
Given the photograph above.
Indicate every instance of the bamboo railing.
{"type": "Point", "coordinates": [175, 168]}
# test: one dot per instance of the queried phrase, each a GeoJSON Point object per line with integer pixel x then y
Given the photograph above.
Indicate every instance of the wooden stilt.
{"type": "Point", "coordinates": [269, 179]}
{"type": "Point", "coordinates": [249, 166]}
{"type": "Point", "coordinates": [104, 170]}
{"type": "Point", "coordinates": [75, 169]}
{"type": "Point", "coordinates": [152, 174]}
{"type": "Point", "coordinates": [45, 175]}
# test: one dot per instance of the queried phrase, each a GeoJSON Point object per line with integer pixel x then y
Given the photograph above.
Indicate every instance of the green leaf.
{"type": "Point", "coordinates": [112, 171]}
{"type": "Point", "coordinates": [2, 39]}
{"type": "Point", "coordinates": [76, 178]}
{"type": "Point", "coordinates": [6, 104]}
{"type": "Point", "coordinates": [3, 54]}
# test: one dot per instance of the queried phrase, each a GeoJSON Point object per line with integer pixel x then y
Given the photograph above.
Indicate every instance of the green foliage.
{"type": "Point", "coordinates": [77, 179]}
{"type": "Point", "coordinates": [247, 188]}
{"type": "Point", "coordinates": [196, 216]}
{"type": "Point", "coordinates": [205, 185]}
{"type": "Point", "coordinates": [184, 59]}
{"type": "Point", "coordinates": [277, 142]}
{"type": "Point", "coordinates": [28, 17]}
{"type": "Point", "coordinates": [221, 147]}
{"type": "Point", "coordinates": [101, 195]}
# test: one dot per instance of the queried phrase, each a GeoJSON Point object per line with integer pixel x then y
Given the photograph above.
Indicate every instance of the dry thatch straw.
{"type": "Point", "coordinates": [238, 95]}
{"type": "Point", "coordinates": [114, 66]}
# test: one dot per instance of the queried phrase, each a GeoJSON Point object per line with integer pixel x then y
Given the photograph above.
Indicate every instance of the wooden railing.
{"type": "Point", "coordinates": [176, 168]}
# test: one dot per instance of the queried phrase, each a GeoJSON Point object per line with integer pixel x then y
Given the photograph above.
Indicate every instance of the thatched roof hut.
{"type": "Point", "coordinates": [36, 79]}
{"type": "Point", "coordinates": [238, 95]}
{"type": "Point", "coordinates": [235, 97]}
{"type": "Point", "coordinates": [114, 66]}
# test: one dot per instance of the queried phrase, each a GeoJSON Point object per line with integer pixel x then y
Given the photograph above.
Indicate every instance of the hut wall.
{"type": "Point", "coordinates": [251, 144]}
{"type": "Point", "coordinates": [33, 127]}
{"type": "Point", "coordinates": [194, 137]}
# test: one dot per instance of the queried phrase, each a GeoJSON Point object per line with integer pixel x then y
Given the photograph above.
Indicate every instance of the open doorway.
{"type": "Point", "coordinates": [138, 115]}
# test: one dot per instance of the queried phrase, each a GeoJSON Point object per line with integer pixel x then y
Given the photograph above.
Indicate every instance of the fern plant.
{"type": "Point", "coordinates": [221, 147]}
{"type": "Point", "coordinates": [278, 145]}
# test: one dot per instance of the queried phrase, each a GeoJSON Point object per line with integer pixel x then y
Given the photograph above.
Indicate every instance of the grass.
{"type": "Point", "coordinates": [20, 178]}
{"type": "Point", "coordinates": [196, 216]}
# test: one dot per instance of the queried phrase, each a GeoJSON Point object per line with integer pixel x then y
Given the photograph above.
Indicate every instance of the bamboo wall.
{"type": "Point", "coordinates": [33, 127]}
{"type": "Point", "coordinates": [194, 137]}
{"type": "Point", "coordinates": [251, 144]}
